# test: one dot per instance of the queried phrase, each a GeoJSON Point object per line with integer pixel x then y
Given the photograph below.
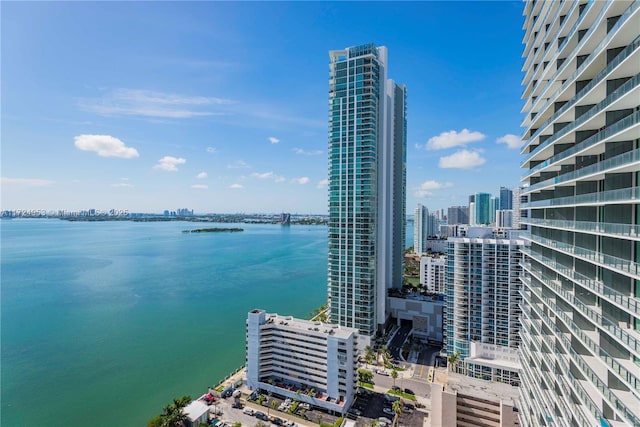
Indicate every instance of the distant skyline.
{"type": "Point", "coordinates": [223, 106]}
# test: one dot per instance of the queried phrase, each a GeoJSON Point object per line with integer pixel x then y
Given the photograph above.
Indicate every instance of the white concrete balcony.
{"type": "Point", "coordinates": [623, 231]}
{"type": "Point", "coordinates": [619, 265]}
{"type": "Point", "coordinates": [628, 59]}
{"type": "Point", "coordinates": [622, 195]}
{"type": "Point", "coordinates": [624, 302]}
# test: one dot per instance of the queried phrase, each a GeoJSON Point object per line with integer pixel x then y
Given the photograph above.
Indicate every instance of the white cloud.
{"type": "Point", "coordinates": [211, 150]}
{"type": "Point", "coordinates": [273, 140]}
{"type": "Point", "coordinates": [146, 103]}
{"type": "Point", "coordinates": [105, 146]}
{"type": "Point", "coordinates": [122, 185]}
{"type": "Point", "coordinates": [463, 159]}
{"type": "Point", "coordinates": [512, 141]}
{"type": "Point", "coordinates": [453, 139]}
{"type": "Point", "coordinates": [202, 175]}
{"type": "Point", "coordinates": [240, 164]}
{"type": "Point", "coordinates": [307, 153]}
{"type": "Point", "coordinates": [426, 188]}
{"type": "Point", "coordinates": [302, 180]}
{"type": "Point", "coordinates": [264, 175]}
{"type": "Point", "coordinates": [279, 179]}
{"type": "Point", "coordinates": [170, 163]}
{"type": "Point", "coordinates": [26, 182]}
{"type": "Point", "coordinates": [200, 186]}
{"type": "Point", "coordinates": [236, 186]}
{"type": "Point", "coordinates": [322, 183]}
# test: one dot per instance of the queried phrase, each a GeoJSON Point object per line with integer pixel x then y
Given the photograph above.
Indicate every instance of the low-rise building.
{"type": "Point", "coordinates": [422, 313]}
{"type": "Point", "coordinates": [467, 402]}
{"type": "Point", "coordinates": [310, 361]}
{"type": "Point", "coordinates": [197, 413]}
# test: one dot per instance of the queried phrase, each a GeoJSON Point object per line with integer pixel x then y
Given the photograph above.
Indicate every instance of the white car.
{"type": "Point", "coordinates": [247, 411]}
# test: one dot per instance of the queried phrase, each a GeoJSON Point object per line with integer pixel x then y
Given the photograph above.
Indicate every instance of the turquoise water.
{"type": "Point", "coordinates": [104, 323]}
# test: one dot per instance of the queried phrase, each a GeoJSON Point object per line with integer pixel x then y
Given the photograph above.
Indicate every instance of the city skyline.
{"type": "Point", "coordinates": [213, 106]}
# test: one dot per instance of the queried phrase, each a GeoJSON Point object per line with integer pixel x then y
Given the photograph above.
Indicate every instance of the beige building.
{"type": "Point", "coordinates": [458, 400]}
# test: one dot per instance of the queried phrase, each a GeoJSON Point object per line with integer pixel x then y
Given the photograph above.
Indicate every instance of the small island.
{"type": "Point", "coordinates": [213, 230]}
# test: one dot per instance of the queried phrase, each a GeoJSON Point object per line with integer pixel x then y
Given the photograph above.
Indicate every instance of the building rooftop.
{"type": "Point", "coordinates": [195, 410]}
{"type": "Point", "coordinates": [315, 327]}
{"type": "Point", "coordinates": [488, 390]}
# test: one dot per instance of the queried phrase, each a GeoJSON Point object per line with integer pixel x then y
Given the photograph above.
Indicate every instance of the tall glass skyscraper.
{"type": "Point", "coordinates": [482, 208]}
{"type": "Point", "coordinates": [367, 180]}
{"type": "Point", "coordinates": [580, 349]}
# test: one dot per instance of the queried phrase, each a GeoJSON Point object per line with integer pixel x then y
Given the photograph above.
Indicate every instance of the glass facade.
{"type": "Point", "coordinates": [580, 349]}
{"type": "Point", "coordinates": [367, 141]}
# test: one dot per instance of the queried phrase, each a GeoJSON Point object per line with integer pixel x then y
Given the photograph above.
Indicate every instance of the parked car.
{"type": "Point", "coordinates": [388, 411]}
{"type": "Point", "coordinates": [290, 424]}
{"type": "Point", "coordinates": [408, 391]}
{"type": "Point", "coordinates": [384, 420]}
{"type": "Point", "coordinates": [261, 416]}
{"type": "Point", "coordinates": [247, 411]}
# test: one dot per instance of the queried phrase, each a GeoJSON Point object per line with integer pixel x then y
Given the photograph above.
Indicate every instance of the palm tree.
{"type": "Point", "coordinates": [394, 375]}
{"type": "Point", "coordinates": [453, 359]}
{"type": "Point", "coordinates": [274, 404]}
{"type": "Point", "coordinates": [397, 408]}
{"type": "Point", "coordinates": [385, 354]}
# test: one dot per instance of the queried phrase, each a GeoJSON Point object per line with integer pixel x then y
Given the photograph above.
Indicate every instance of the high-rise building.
{"type": "Point", "coordinates": [482, 208]}
{"type": "Point", "coordinates": [581, 296]}
{"type": "Point", "coordinates": [458, 215]}
{"type": "Point", "coordinates": [506, 199]}
{"type": "Point", "coordinates": [367, 184]}
{"type": "Point", "coordinates": [481, 319]}
{"type": "Point", "coordinates": [420, 229]}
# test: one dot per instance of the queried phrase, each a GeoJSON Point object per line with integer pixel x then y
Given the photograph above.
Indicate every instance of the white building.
{"type": "Point", "coordinates": [432, 273]}
{"type": "Point", "coordinates": [483, 305]}
{"type": "Point", "coordinates": [581, 156]}
{"type": "Point", "coordinates": [367, 185]}
{"type": "Point", "coordinates": [310, 361]}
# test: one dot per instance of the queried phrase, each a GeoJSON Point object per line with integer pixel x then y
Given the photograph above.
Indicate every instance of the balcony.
{"type": "Point", "coordinates": [620, 265]}
{"type": "Point", "coordinates": [596, 286]}
{"type": "Point", "coordinates": [623, 195]}
{"type": "Point", "coordinates": [626, 231]}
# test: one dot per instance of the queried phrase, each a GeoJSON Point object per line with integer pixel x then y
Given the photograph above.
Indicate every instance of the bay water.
{"type": "Point", "coordinates": [104, 323]}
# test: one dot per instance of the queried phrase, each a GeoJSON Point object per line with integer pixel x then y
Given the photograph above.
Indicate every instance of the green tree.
{"type": "Point", "coordinates": [172, 414]}
{"type": "Point", "coordinates": [394, 375]}
{"type": "Point", "coordinates": [386, 356]}
{"type": "Point", "coordinates": [237, 424]}
{"type": "Point", "coordinates": [397, 408]}
{"type": "Point", "coordinates": [369, 355]}
{"type": "Point", "coordinates": [365, 376]}
{"type": "Point", "coordinates": [274, 404]}
{"type": "Point", "coordinates": [453, 360]}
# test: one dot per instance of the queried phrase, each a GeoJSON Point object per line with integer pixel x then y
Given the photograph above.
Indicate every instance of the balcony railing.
{"type": "Point", "coordinates": [596, 286]}
{"type": "Point", "coordinates": [600, 228]}
{"type": "Point", "coordinates": [631, 194]}
{"type": "Point", "coordinates": [620, 125]}
{"type": "Point", "coordinates": [631, 381]}
{"type": "Point", "coordinates": [626, 52]}
{"type": "Point", "coordinates": [586, 371]}
{"type": "Point", "coordinates": [594, 53]}
{"type": "Point", "coordinates": [624, 266]}
{"type": "Point", "coordinates": [624, 159]}
{"type": "Point", "coordinates": [566, 374]}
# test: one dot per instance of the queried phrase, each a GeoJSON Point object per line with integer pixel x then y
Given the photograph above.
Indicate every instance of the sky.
{"type": "Point", "coordinates": [223, 106]}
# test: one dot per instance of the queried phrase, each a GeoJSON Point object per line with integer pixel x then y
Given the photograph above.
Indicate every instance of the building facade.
{"type": "Point", "coordinates": [482, 209]}
{"type": "Point", "coordinates": [506, 199]}
{"type": "Point", "coordinates": [483, 305]}
{"type": "Point", "coordinates": [367, 181]}
{"type": "Point", "coordinates": [432, 273]}
{"type": "Point", "coordinates": [581, 294]}
{"type": "Point", "coordinates": [301, 359]}
{"type": "Point", "coordinates": [420, 229]}
{"type": "Point", "coordinates": [458, 215]}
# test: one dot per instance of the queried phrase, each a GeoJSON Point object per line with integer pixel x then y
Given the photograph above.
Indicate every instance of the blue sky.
{"type": "Point", "coordinates": [223, 106]}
